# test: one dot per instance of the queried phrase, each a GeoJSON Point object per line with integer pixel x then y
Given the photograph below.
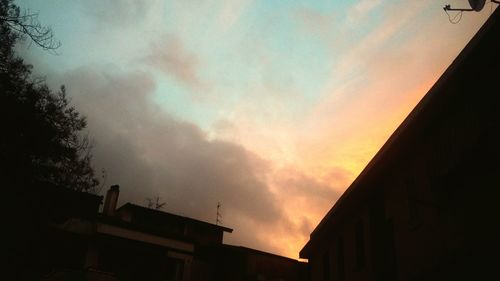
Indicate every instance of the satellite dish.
{"type": "Point", "coordinates": [477, 5]}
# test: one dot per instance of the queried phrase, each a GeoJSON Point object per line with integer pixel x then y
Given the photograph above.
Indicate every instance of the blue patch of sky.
{"type": "Point", "coordinates": [288, 58]}
{"type": "Point", "coordinates": [69, 27]}
{"type": "Point", "coordinates": [175, 99]}
{"type": "Point", "coordinates": [232, 62]}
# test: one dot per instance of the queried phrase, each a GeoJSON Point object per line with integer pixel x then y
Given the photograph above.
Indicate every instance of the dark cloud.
{"type": "Point", "coordinates": [299, 184]}
{"type": "Point", "coordinates": [309, 197]}
{"type": "Point", "coordinates": [149, 153]}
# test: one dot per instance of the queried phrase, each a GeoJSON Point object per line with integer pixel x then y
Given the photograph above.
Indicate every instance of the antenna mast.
{"type": "Point", "coordinates": [155, 203]}
{"type": "Point", "coordinates": [218, 218]}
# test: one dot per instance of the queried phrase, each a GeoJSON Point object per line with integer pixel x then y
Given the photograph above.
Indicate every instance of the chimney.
{"type": "Point", "coordinates": [111, 200]}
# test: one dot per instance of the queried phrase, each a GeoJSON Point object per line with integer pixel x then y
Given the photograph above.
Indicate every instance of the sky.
{"type": "Point", "coordinates": [270, 107]}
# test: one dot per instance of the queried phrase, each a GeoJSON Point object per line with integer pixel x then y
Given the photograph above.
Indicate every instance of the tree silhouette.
{"type": "Point", "coordinates": [42, 140]}
{"type": "Point", "coordinates": [42, 149]}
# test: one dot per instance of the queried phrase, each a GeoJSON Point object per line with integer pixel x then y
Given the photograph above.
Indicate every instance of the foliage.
{"type": "Point", "coordinates": [42, 140]}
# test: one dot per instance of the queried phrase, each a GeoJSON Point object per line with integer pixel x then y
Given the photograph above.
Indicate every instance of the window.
{"type": "Point", "coordinates": [360, 245]}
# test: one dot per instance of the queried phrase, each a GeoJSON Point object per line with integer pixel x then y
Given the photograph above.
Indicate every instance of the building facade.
{"type": "Point", "coordinates": [246, 264]}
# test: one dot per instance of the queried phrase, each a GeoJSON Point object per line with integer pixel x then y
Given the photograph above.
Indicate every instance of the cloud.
{"type": "Point", "coordinates": [170, 56]}
{"type": "Point", "coordinates": [119, 13]}
{"type": "Point", "coordinates": [316, 23]}
{"type": "Point", "coordinates": [360, 111]}
{"type": "Point", "coordinates": [307, 198]}
{"type": "Point", "coordinates": [149, 153]}
{"type": "Point", "coordinates": [230, 12]}
{"type": "Point", "coordinates": [395, 18]}
{"type": "Point", "coordinates": [298, 184]}
{"type": "Point", "coordinates": [361, 9]}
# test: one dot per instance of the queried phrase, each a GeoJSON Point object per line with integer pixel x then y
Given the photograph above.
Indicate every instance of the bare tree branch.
{"type": "Point", "coordinates": [27, 25]}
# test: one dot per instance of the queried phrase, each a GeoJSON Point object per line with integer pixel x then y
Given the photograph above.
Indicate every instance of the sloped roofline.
{"type": "Point", "coordinates": [162, 213]}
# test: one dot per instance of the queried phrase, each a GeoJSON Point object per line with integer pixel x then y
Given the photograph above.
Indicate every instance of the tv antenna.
{"type": "Point", "coordinates": [218, 218]}
{"type": "Point", "coordinates": [155, 203]}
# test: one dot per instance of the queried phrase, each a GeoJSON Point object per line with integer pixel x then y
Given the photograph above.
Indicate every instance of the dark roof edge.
{"type": "Point", "coordinates": [243, 248]}
{"type": "Point", "coordinates": [407, 122]}
{"type": "Point", "coordinates": [103, 219]}
{"type": "Point", "coordinates": [223, 228]}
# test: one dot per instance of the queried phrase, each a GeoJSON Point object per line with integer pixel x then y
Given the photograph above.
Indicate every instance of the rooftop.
{"type": "Point", "coordinates": [170, 216]}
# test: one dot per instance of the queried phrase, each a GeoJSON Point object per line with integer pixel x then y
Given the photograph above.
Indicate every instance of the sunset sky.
{"type": "Point", "coordinates": [271, 107]}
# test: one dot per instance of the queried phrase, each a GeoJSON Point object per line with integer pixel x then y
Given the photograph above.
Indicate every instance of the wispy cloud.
{"type": "Point", "coordinates": [396, 17]}
{"type": "Point", "coordinates": [315, 21]}
{"type": "Point", "coordinates": [375, 86]}
{"type": "Point", "coordinates": [231, 12]}
{"type": "Point", "coordinates": [149, 153]}
{"type": "Point", "coordinates": [170, 56]}
{"type": "Point", "coordinates": [121, 13]}
{"type": "Point", "coordinates": [359, 10]}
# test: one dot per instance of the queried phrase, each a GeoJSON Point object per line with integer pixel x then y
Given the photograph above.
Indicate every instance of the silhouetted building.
{"type": "Point", "coordinates": [63, 224]}
{"type": "Point", "coordinates": [245, 264]}
{"type": "Point", "coordinates": [137, 243]}
{"type": "Point", "coordinates": [426, 207]}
